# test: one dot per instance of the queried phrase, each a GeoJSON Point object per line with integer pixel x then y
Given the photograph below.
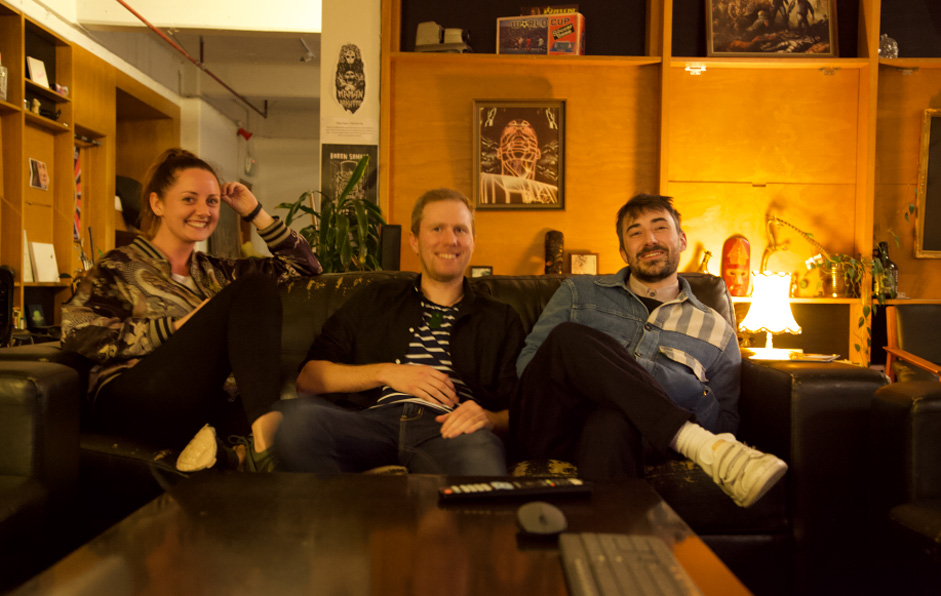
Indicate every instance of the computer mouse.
{"type": "Point", "coordinates": [541, 519]}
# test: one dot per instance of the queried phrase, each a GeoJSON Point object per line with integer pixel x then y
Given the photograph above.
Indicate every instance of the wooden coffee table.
{"type": "Point", "coordinates": [267, 534]}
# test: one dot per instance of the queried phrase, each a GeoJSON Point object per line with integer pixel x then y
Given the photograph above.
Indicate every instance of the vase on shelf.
{"type": "Point", "coordinates": [888, 47]}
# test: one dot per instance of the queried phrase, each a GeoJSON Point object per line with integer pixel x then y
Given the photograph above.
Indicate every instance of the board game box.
{"type": "Point", "coordinates": [542, 34]}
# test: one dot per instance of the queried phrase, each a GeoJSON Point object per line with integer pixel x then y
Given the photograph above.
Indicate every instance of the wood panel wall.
{"type": "Point", "coordinates": [611, 150]}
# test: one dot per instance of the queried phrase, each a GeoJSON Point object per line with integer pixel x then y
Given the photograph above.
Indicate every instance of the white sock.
{"type": "Point", "coordinates": [690, 440]}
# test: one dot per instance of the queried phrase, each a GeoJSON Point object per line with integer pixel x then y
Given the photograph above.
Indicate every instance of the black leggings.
{"type": "Point", "coordinates": [584, 398]}
{"type": "Point", "coordinates": [173, 391]}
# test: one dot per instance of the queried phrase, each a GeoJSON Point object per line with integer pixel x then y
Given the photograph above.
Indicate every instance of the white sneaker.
{"type": "Point", "coordinates": [200, 452]}
{"type": "Point", "coordinates": [743, 473]}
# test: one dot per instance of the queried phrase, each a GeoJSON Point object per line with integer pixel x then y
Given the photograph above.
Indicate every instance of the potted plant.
{"type": "Point", "coordinates": [345, 232]}
{"type": "Point", "coordinates": [845, 274]}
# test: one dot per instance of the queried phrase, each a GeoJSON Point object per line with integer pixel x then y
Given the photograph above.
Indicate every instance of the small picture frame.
{"type": "Point", "coordinates": [37, 71]}
{"type": "Point", "coordinates": [38, 174]}
{"type": "Point", "coordinates": [794, 28]}
{"type": "Point", "coordinates": [35, 318]}
{"type": "Point", "coordinates": [585, 263]}
{"type": "Point", "coordinates": [481, 271]}
{"type": "Point", "coordinates": [519, 154]}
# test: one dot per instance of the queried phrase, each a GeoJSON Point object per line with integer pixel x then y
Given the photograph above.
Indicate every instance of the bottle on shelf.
{"type": "Point", "coordinates": [704, 263]}
{"type": "Point", "coordinates": [890, 273]}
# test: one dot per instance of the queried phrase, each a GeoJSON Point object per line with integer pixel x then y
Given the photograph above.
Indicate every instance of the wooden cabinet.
{"type": "Point", "coordinates": [107, 123]}
{"type": "Point", "coordinates": [732, 139]}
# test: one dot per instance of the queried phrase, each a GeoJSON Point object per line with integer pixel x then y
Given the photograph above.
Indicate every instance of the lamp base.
{"type": "Point", "coordinates": [771, 353]}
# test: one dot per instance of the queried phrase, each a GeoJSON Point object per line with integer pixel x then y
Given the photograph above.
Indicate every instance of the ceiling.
{"type": "Point", "coordinates": [282, 69]}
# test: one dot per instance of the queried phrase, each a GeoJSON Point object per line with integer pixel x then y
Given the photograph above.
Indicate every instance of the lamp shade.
{"type": "Point", "coordinates": [770, 309]}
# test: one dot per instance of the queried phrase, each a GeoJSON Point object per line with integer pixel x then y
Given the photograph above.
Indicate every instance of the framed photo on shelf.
{"type": "Point", "coordinates": [584, 263]}
{"type": "Point", "coordinates": [777, 27]}
{"type": "Point", "coordinates": [481, 271]}
{"type": "Point", "coordinates": [37, 71]}
{"type": "Point", "coordinates": [38, 174]}
{"type": "Point", "coordinates": [519, 154]}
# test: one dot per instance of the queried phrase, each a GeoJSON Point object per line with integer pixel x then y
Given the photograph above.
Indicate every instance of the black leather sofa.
{"type": "Point", "coordinates": [813, 415]}
{"type": "Point", "coordinates": [39, 424]}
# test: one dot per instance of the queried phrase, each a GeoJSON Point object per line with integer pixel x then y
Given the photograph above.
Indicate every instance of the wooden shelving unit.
{"type": "Point", "coordinates": [128, 125]}
{"type": "Point", "coordinates": [732, 139]}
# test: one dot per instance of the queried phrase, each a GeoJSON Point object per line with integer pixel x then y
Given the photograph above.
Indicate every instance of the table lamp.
{"type": "Point", "coordinates": [770, 312]}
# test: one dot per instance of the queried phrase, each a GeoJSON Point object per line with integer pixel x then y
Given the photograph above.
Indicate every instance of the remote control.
{"type": "Point", "coordinates": [514, 488]}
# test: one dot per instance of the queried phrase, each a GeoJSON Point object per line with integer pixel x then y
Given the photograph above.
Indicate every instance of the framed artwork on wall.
{"type": "Point", "coordinates": [519, 154]}
{"type": "Point", "coordinates": [584, 263]}
{"type": "Point", "coordinates": [775, 27]}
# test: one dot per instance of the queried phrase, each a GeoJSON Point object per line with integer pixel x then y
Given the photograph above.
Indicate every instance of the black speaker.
{"type": "Point", "coordinates": [6, 305]}
{"type": "Point", "coordinates": [390, 247]}
{"type": "Point", "coordinates": [554, 250]}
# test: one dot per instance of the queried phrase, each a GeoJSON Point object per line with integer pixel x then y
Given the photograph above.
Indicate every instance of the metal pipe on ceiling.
{"type": "Point", "coordinates": [198, 63]}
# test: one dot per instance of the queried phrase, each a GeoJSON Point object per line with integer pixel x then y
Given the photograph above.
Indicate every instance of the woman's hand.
{"type": "Point", "coordinates": [237, 196]}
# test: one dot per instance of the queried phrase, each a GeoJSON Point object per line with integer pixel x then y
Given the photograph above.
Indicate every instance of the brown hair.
{"type": "Point", "coordinates": [433, 196]}
{"type": "Point", "coordinates": [641, 204]}
{"type": "Point", "coordinates": [161, 176]}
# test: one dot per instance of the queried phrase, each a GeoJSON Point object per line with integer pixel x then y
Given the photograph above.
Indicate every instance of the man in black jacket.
{"type": "Point", "coordinates": [427, 366]}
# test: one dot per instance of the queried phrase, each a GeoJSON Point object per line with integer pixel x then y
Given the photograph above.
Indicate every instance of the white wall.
{"type": "Point", "coordinates": [286, 168]}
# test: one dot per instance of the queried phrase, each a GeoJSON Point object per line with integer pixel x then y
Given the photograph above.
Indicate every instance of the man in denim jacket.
{"type": "Point", "coordinates": [624, 366]}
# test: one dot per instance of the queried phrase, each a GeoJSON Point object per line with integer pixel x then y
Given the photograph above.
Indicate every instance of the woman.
{"type": "Point", "coordinates": [166, 324]}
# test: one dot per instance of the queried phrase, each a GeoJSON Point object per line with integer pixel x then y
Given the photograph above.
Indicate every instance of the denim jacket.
{"type": "Point", "coordinates": [689, 348]}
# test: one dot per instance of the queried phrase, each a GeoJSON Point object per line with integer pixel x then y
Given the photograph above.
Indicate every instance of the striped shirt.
{"type": "Point", "coordinates": [430, 346]}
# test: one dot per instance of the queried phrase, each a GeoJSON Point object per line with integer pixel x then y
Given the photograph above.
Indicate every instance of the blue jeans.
{"type": "Point", "coordinates": [317, 436]}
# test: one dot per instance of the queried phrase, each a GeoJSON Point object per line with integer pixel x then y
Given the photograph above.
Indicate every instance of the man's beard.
{"type": "Point", "coordinates": [657, 271]}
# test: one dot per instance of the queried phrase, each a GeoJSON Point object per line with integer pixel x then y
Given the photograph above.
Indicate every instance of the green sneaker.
{"type": "Point", "coordinates": [266, 461]}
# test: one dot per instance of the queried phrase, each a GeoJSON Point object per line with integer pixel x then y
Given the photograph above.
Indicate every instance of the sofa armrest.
{"type": "Point", "coordinates": [815, 416]}
{"type": "Point", "coordinates": [51, 352]}
{"type": "Point", "coordinates": [39, 420]}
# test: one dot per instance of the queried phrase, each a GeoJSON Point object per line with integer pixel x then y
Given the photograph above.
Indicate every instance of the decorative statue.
{"type": "Point", "coordinates": [736, 264]}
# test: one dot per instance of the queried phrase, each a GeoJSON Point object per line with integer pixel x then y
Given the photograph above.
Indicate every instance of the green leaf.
{"type": "Point", "coordinates": [858, 347]}
{"type": "Point", "coordinates": [866, 311]}
{"type": "Point", "coordinates": [862, 321]}
{"type": "Point", "coordinates": [355, 178]}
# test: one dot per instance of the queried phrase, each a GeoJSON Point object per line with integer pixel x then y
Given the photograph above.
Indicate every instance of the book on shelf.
{"type": "Point", "coordinates": [27, 261]}
{"type": "Point", "coordinates": [45, 268]}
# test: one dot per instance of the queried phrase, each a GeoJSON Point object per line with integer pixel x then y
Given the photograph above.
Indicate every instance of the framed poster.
{"type": "Point", "coordinates": [519, 154]}
{"type": "Point", "coordinates": [337, 164]}
{"type": "Point", "coordinates": [776, 27]}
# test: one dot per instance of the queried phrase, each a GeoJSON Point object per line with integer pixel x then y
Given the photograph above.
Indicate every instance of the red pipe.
{"type": "Point", "coordinates": [193, 60]}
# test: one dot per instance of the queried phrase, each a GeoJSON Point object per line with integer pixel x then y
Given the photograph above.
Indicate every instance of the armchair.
{"type": "Point", "coordinates": [914, 350]}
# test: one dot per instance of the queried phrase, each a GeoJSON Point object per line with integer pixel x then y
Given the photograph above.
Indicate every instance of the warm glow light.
{"type": "Point", "coordinates": [770, 309]}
